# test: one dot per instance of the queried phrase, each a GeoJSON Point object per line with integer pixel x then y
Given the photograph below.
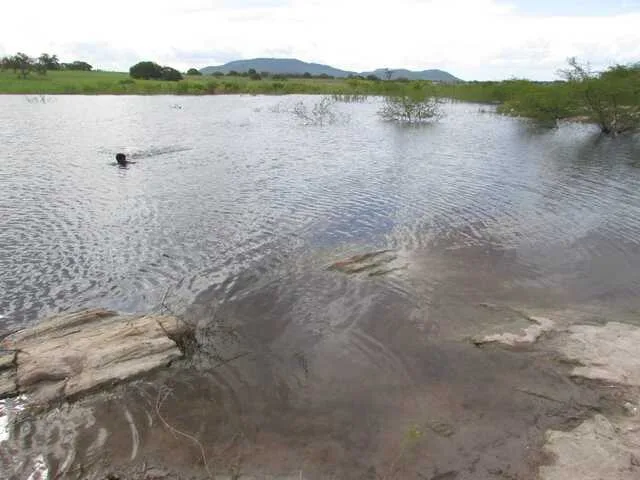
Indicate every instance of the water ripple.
{"type": "Point", "coordinates": [227, 185]}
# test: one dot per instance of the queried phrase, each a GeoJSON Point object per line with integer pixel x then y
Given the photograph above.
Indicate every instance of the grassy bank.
{"type": "Point", "coordinates": [116, 83]}
{"type": "Point", "coordinates": [120, 83]}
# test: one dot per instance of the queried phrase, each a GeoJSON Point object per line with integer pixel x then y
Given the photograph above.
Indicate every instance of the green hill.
{"type": "Point", "coordinates": [293, 66]}
{"type": "Point", "coordinates": [433, 75]}
{"type": "Point", "coordinates": [277, 66]}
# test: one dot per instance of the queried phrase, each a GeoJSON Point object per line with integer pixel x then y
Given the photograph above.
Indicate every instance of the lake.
{"type": "Point", "coordinates": [242, 214]}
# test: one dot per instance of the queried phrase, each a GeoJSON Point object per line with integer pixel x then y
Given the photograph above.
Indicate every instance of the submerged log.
{"type": "Point", "coordinates": [71, 354]}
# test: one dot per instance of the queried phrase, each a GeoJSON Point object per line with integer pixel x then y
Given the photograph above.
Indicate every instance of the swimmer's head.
{"type": "Point", "coordinates": [121, 158]}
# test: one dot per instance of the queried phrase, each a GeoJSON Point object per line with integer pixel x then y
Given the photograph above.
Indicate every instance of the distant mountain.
{"type": "Point", "coordinates": [297, 67]}
{"type": "Point", "coordinates": [277, 65]}
{"type": "Point", "coordinates": [433, 75]}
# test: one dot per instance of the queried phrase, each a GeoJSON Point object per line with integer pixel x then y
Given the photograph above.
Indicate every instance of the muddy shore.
{"type": "Point", "coordinates": [389, 391]}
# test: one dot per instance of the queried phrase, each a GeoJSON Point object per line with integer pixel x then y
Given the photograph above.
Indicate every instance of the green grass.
{"type": "Point", "coordinates": [116, 83]}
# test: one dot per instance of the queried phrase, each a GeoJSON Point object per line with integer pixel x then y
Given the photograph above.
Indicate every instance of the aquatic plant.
{"type": "Point", "coordinates": [39, 99]}
{"type": "Point", "coordinates": [349, 98]}
{"type": "Point", "coordinates": [322, 112]}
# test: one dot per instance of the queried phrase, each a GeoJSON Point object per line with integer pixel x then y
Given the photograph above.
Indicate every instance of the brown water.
{"type": "Point", "coordinates": [307, 371]}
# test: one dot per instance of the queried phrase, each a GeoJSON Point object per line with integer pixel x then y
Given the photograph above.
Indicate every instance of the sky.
{"type": "Point", "coordinates": [472, 39]}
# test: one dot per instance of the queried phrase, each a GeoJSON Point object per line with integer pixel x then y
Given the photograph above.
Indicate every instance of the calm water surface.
{"type": "Point", "coordinates": [239, 207]}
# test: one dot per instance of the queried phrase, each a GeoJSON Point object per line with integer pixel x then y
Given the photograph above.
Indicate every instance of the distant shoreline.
{"type": "Point", "coordinates": [547, 102]}
{"type": "Point", "coordinates": [120, 83]}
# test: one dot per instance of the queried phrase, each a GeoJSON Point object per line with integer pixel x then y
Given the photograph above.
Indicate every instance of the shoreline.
{"type": "Point", "coordinates": [600, 442]}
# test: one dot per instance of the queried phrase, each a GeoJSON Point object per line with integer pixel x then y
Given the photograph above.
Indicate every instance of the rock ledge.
{"type": "Point", "coordinates": [71, 354]}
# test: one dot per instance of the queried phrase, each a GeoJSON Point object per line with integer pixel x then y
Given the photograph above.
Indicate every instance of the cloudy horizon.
{"type": "Point", "coordinates": [473, 40]}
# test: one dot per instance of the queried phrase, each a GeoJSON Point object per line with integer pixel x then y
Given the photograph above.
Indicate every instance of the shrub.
{"type": "Point", "coordinates": [231, 87]}
{"type": "Point", "coordinates": [170, 74]}
{"type": "Point", "coordinates": [322, 112]}
{"type": "Point", "coordinates": [410, 109]}
{"type": "Point", "coordinates": [182, 88]}
{"type": "Point", "coordinates": [211, 86]}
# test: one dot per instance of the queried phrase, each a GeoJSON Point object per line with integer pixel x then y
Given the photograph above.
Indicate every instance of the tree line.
{"type": "Point", "coordinates": [23, 64]}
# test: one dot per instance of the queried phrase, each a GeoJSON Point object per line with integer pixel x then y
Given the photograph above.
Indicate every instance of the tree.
{"type": "Point", "coordinates": [77, 65]}
{"type": "Point", "coordinates": [171, 74]}
{"type": "Point", "coordinates": [253, 75]}
{"type": "Point", "coordinates": [24, 63]}
{"type": "Point", "coordinates": [611, 98]}
{"type": "Point", "coordinates": [388, 74]}
{"type": "Point", "coordinates": [373, 78]}
{"type": "Point", "coordinates": [49, 62]}
{"type": "Point", "coordinates": [193, 71]}
{"type": "Point", "coordinates": [146, 71]}
{"type": "Point", "coordinates": [6, 63]}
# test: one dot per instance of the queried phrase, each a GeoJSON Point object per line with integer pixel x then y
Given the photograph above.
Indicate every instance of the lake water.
{"type": "Point", "coordinates": [237, 208]}
{"type": "Point", "coordinates": [229, 184]}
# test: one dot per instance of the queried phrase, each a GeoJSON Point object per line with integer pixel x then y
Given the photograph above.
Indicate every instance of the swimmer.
{"type": "Point", "coordinates": [121, 158]}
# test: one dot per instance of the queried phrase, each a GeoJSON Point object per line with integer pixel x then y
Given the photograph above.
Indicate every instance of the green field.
{"type": "Point", "coordinates": [120, 83]}
{"type": "Point", "coordinates": [116, 83]}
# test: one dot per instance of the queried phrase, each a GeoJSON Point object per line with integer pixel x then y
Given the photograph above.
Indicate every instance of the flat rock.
{"type": "Point", "coordinates": [71, 354]}
{"type": "Point", "coordinates": [610, 352]}
{"type": "Point", "coordinates": [600, 448]}
{"type": "Point", "coordinates": [596, 450]}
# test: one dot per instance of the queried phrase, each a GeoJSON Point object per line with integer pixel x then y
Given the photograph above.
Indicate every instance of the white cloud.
{"type": "Point", "coordinates": [474, 39]}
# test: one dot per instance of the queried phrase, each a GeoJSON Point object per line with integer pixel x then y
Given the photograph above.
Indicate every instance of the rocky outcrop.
{"type": "Point", "coordinates": [71, 354]}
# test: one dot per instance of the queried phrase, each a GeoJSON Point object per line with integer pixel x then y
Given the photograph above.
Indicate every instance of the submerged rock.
{"type": "Point", "coordinates": [528, 335]}
{"type": "Point", "coordinates": [71, 354]}
{"type": "Point", "coordinates": [374, 263]}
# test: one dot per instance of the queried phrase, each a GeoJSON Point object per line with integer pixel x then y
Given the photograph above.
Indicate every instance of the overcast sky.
{"type": "Point", "coordinates": [472, 39]}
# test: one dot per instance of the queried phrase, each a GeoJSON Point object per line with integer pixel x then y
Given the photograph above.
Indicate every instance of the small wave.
{"type": "Point", "coordinates": [134, 152]}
